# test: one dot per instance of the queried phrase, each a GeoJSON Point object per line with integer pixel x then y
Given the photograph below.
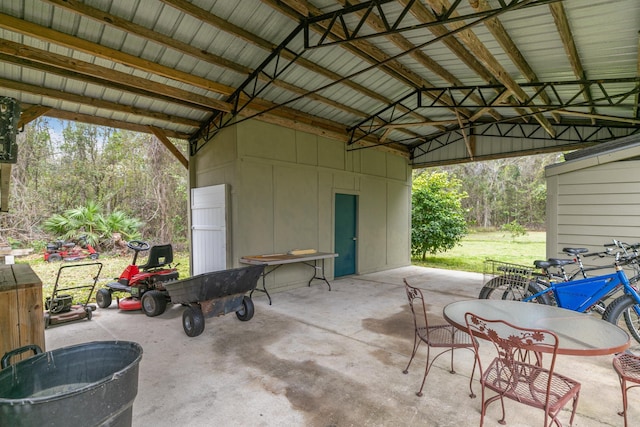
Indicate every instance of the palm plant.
{"type": "Point", "coordinates": [119, 222]}
{"type": "Point", "coordinates": [89, 222]}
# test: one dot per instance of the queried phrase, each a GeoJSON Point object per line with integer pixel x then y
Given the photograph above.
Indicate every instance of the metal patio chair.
{"type": "Point", "coordinates": [443, 336]}
{"type": "Point", "coordinates": [509, 373]}
{"type": "Point", "coordinates": [627, 366]}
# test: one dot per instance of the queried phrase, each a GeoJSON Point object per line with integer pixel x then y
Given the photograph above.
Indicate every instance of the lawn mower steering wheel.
{"type": "Point", "coordinates": [137, 245]}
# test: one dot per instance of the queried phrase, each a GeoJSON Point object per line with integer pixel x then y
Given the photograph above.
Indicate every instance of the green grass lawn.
{"type": "Point", "coordinates": [476, 247]}
{"type": "Point", "coordinates": [470, 255]}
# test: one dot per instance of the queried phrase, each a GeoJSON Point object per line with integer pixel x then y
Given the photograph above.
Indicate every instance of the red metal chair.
{"type": "Point", "coordinates": [627, 366]}
{"type": "Point", "coordinates": [437, 336]}
{"type": "Point", "coordinates": [510, 375]}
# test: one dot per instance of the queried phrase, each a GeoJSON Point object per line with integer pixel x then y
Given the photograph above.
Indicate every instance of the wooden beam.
{"type": "Point", "coordinates": [290, 117]}
{"type": "Point", "coordinates": [95, 102]}
{"type": "Point", "coordinates": [31, 113]}
{"type": "Point", "coordinates": [502, 98]}
{"type": "Point", "coordinates": [48, 69]}
{"type": "Point", "coordinates": [377, 24]}
{"type": "Point", "coordinates": [510, 48]}
{"type": "Point", "coordinates": [118, 124]}
{"type": "Point", "coordinates": [162, 39]}
{"type": "Point", "coordinates": [96, 74]}
{"type": "Point", "coordinates": [42, 33]}
{"type": "Point", "coordinates": [146, 33]}
{"type": "Point", "coordinates": [482, 53]}
{"type": "Point", "coordinates": [162, 137]}
{"type": "Point", "coordinates": [365, 50]}
{"type": "Point", "coordinates": [211, 19]}
{"type": "Point", "coordinates": [465, 136]}
{"type": "Point", "coordinates": [423, 14]}
{"type": "Point", "coordinates": [564, 29]}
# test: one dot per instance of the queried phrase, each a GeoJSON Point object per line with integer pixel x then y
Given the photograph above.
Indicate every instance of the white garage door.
{"type": "Point", "coordinates": [209, 228]}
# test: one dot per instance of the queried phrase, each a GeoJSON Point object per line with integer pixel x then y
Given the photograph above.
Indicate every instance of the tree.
{"type": "Point", "coordinates": [65, 166]}
{"type": "Point", "coordinates": [504, 190]}
{"type": "Point", "coordinates": [438, 222]}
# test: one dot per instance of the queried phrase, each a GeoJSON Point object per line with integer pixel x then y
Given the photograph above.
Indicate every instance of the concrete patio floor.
{"type": "Point", "coordinates": [323, 358]}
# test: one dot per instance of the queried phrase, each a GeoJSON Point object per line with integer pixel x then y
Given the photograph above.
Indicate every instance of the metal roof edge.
{"type": "Point", "coordinates": [612, 151]}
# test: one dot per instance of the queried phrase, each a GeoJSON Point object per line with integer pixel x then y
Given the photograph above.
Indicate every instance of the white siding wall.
{"type": "Point", "coordinates": [590, 206]}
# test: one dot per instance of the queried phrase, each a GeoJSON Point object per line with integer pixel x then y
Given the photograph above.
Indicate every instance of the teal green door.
{"type": "Point", "coordinates": [345, 234]}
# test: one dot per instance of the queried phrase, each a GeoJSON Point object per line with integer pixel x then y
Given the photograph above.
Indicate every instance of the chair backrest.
{"type": "Point", "coordinates": [417, 305]}
{"type": "Point", "coordinates": [513, 345]}
{"type": "Point", "coordinates": [159, 256]}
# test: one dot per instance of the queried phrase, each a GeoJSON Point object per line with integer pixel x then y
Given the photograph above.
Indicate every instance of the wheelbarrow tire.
{"type": "Point", "coordinates": [193, 321]}
{"type": "Point", "coordinates": [247, 310]}
{"type": "Point", "coordinates": [103, 298]}
{"type": "Point", "coordinates": [154, 303]}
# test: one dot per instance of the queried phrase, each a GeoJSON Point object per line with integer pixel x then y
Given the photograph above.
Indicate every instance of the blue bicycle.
{"type": "Point", "coordinates": [582, 295]}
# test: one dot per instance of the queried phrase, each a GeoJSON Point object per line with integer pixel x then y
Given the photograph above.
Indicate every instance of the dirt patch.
{"type": "Point", "coordinates": [326, 396]}
{"type": "Point", "coordinates": [399, 325]}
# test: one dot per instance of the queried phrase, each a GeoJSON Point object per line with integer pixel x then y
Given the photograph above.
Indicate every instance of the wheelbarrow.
{"type": "Point", "coordinates": [214, 294]}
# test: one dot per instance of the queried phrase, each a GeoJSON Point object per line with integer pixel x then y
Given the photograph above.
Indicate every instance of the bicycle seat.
{"type": "Point", "coordinates": [558, 262]}
{"type": "Point", "coordinates": [540, 263]}
{"type": "Point", "coordinates": [544, 264]}
{"type": "Point", "coordinates": [575, 251]}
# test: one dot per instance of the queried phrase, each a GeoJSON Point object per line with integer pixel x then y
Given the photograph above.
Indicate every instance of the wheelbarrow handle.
{"type": "Point", "coordinates": [8, 355]}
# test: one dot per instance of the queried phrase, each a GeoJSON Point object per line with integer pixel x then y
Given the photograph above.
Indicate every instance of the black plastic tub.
{"type": "Point", "coordinates": [90, 384]}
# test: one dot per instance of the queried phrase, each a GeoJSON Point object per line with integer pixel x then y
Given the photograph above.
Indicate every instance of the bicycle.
{"type": "Point", "coordinates": [512, 281]}
{"type": "Point", "coordinates": [582, 295]}
{"type": "Point", "coordinates": [626, 249]}
{"type": "Point", "coordinates": [515, 282]}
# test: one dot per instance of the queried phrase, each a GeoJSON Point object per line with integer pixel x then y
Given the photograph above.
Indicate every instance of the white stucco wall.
{"type": "Point", "coordinates": [283, 184]}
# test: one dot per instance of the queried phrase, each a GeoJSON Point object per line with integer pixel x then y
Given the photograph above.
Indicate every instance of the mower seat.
{"type": "Point", "coordinates": [159, 256]}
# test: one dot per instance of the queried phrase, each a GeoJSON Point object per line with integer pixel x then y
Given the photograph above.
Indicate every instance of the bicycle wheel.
{"type": "Point", "coordinates": [624, 312]}
{"type": "Point", "coordinates": [513, 288]}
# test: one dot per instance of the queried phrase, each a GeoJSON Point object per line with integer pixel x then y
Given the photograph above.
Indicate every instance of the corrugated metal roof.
{"type": "Point", "coordinates": [195, 54]}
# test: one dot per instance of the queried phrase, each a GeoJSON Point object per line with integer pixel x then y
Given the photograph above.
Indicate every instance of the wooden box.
{"type": "Point", "coordinates": [21, 309]}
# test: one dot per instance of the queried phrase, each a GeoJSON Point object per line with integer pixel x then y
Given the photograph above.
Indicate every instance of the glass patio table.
{"type": "Point", "coordinates": [578, 334]}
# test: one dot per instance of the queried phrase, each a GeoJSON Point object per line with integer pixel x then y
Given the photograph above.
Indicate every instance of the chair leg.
{"type": "Point", "coordinates": [416, 344]}
{"type": "Point", "coordinates": [452, 371]}
{"type": "Point", "coordinates": [575, 406]}
{"type": "Point", "coordinates": [486, 403]}
{"type": "Point", "coordinates": [623, 386]}
{"type": "Point", "coordinates": [483, 410]}
{"type": "Point", "coordinates": [426, 372]}
{"type": "Point", "coordinates": [473, 372]}
{"type": "Point", "coordinates": [502, 421]}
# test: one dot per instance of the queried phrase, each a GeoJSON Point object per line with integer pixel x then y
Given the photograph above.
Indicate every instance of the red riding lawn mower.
{"type": "Point", "coordinates": [70, 251]}
{"type": "Point", "coordinates": [144, 283]}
